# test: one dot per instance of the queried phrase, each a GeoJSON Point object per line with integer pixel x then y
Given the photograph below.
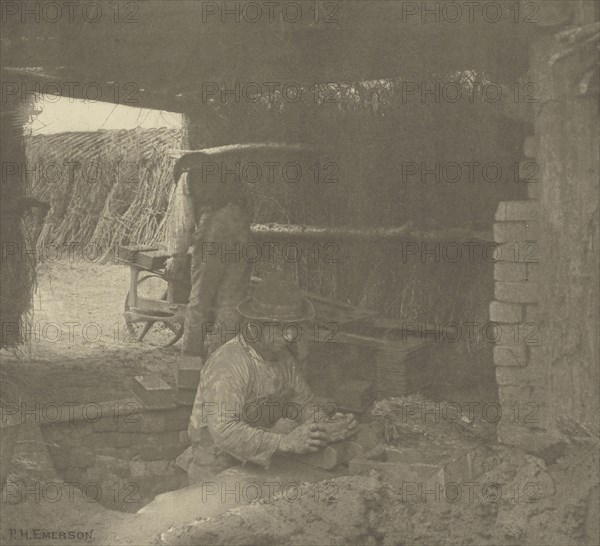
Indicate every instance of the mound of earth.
{"type": "Point", "coordinates": [517, 500]}
{"type": "Point", "coordinates": [338, 511]}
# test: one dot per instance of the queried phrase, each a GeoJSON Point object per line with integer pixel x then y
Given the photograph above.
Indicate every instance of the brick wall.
{"type": "Point", "coordinates": [560, 293]}
{"type": "Point", "coordinates": [124, 454]}
{"type": "Point", "coordinates": [520, 370]}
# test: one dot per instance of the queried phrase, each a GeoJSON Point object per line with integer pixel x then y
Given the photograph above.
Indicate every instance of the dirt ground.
{"type": "Point", "coordinates": [79, 348]}
{"type": "Point", "coordinates": [366, 510]}
{"type": "Point", "coordinates": [518, 499]}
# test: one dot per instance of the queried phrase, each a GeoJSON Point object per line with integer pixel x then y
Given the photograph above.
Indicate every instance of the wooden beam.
{"type": "Point", "coordinates": [407, 231]}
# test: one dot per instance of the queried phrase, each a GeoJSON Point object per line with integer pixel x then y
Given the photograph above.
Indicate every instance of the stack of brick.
{"type": "Point", "coordinates": [520, 370]}
{"type": "Point", "coordinates": [188, 378]}
{"type": "Point", "coordinates": [123, 452]}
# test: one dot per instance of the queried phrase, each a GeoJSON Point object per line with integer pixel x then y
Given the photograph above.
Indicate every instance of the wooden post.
{"type": "Point", "coordinates": [566, 131]}
{"type": "Point", "coordinates": [17, 268]}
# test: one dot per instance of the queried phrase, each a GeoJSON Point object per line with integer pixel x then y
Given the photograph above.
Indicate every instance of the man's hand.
{"type": "Point", "coordinates": [175, 268]}
{"type": "Point", "coordinates": [306, 438]}
{"type": "Point", "coordinates": [284, 426]}
{"type": "Point", "coordinates": [352, 423]}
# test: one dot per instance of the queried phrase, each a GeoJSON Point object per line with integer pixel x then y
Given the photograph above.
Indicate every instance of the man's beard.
{"type": "Point", "coordinates": [271, 351]}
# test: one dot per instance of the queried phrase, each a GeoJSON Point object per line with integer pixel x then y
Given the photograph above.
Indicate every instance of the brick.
{"type": "Point", "coordinates": [505, 252]}
{"type": "Point", "coordinates": [159, 468]}
{"type": "Point", "coordinates": [510, 211]}
{"type": "Point", "coordinates": [127, 408]}
{"type": "Point", "coordinates": [106, 424]}
{"type": "Point", "coordinates": [109, 439]}
{"type": "Point", "coordinates": [507, 335]}
{"type": "Point", "coordinates": [533, 272]}
{"type": "Point", "coordinates": [188, 371]}
{"type": "Point", "coordinates": [153, 392]}
{"type": "Point", "coordinates": [157, 453]}
{"type": "Point", "coordinates": [188, 378]}
{"type": "Point", "coordinates": [506, 312]}
{"type": "Point", "coordinates": [142, 469]}
{"type": "Point", "coordinates": [107, 464]}
{"type": "Point", "coordinates": [520, 376]}
{"type": "Point", "coordinates": [81, 458]}
{"type": "Point", "coordinates": [128, 452]}
{"type": "Point", "coordinates": [537, 356]}
{"type": "Point", "coordinates": [186, 397]}
{"type": "Point", "coordinates": [458, 468]}
{"type": "Point", "coordinates": [513, 395]}
{"type": "Point", "coordinates": [155, 439]}
{"type": "Point", "coordinates": [505, 232]}
{"type": "Point", "coordinates": [398, 473]}
{"type": "Point", "coordinates": [510, 272]}
{"type": "Point", "coordinates": [178, 419]}
{"type": "Point", "coordinates": [532, 313]}
{"type": "Point", "coordinates": [514, 334]}
{"type": "Point", "coordinates": [105, 451]}
{"type": "Point", "coordinates": [153, 421]}
{"type": "Point", "coordinates": [510, 356]}
{"type": "Point", "coordinates": [516, 252]}
{"type": "Point", "coordinates": [523, 437]}
{"type": "Point", "coordinates": [530, 146]}
{"type": "Point", "coordinates": [534, 190]}
{"type": "Point", "coordinates": [517, 292]}
{"type": "Point", "coordinates": [403, 455]}
{"type": "Point", "coordinates": [131, 423]}
{"type": "Point", "coordinates": [521, 394]}
{"type": "Point", "coordinates": [121, 439]}
{"type": "Point", "coordinates": [332, 455]}
{"type": "Point", "coordinates": [523, 414]}
{"type": "Point", "coordinates": [326, 458]}
{"type": "Point", "coordinates": [464, 467]}
{"type": "Point", "coordinates": [137, 469]}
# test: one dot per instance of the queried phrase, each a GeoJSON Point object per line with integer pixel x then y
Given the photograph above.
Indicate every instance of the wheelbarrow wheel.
{"type": "Point", "coordinates": [155, 332]}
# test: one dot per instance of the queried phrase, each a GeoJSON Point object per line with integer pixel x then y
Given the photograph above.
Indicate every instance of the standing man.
{"type": "Point", "coordinates": [212, 216]}
{"type": "Point", "coordinates": [252, 401]}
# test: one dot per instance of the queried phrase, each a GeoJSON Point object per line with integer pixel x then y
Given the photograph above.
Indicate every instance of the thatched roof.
{"type": "Point", "coordinates": [109, 187]}
{"type": "Point", "coordinates": [188, 47]}
{"type": "Point", "coordinates": [85, 145]}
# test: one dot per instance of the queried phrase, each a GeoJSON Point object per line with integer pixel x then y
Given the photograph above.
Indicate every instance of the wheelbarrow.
{"type": "Point", "coordinates": [154, 308]}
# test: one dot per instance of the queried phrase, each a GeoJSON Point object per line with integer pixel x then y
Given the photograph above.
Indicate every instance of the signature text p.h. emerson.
{"type": "Point", "coordinates": [45, 534]}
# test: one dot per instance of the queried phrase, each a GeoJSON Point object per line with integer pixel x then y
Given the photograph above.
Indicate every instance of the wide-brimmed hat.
{"type": "Point", "coordinates": [277, 299]}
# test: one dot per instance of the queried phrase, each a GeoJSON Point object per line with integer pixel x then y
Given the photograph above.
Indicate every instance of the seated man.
{"type": "Point", "coordinates": [252, 401]}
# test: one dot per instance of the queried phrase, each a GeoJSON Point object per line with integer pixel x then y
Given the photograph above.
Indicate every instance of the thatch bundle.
{"type": "Point", "coordinates": [105, 188]}
{"type": "Point", "coordinates": [415, 420]}
{"type": "Point", "coordinates": [17, 275]}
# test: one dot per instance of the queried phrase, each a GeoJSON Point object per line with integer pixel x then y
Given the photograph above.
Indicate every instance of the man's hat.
{"type": "Point", "coordinates": [277, 299]}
